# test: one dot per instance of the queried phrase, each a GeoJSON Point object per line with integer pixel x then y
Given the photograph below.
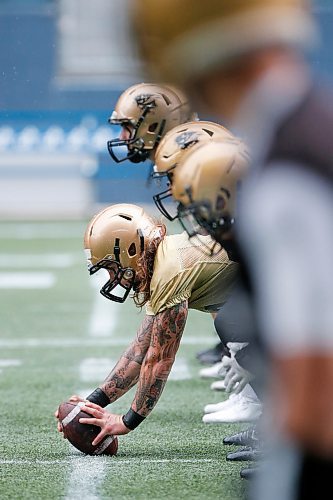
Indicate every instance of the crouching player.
{"type": "Point", "coordinates": [168, 275]}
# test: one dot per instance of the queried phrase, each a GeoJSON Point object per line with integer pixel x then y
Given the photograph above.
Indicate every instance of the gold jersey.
{"type": "Point", "coordinates": [182, 271]}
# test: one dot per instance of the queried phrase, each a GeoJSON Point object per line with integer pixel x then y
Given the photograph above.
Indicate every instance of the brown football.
{"type": "Point", "coordinates": [82, 435]}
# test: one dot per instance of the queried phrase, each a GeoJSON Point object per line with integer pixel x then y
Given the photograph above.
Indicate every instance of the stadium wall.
{"type": "Point", "coordinates": [47, 123]}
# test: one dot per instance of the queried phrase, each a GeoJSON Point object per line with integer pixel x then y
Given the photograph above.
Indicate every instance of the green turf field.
{"type": "Point", "coordinates": [59, 337]}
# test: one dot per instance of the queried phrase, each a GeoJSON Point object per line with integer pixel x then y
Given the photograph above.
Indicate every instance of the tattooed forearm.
{"type": "Point", "coordinates": [167, 331]}
{"type": "Point", "coordinates": [126, 372]}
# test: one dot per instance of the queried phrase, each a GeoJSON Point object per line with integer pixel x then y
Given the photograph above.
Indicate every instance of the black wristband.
{"type": "Point", "coordinates": [99, 398]}
{"type": "Point", "coordinates": [132, 419]}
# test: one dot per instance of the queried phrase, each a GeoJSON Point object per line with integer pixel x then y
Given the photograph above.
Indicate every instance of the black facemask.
{"type": "Point", "coordinates": [166, 194]}
{"type": "Point", "coordinates": [196, 226]}
{"type": "Point", "coordinates": [119, 277]}
{"type": "Point", "coordinates": [137, 153]}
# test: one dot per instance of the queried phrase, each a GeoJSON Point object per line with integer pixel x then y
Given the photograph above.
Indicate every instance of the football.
{"type": "Point", "coordinates": [82, 435]}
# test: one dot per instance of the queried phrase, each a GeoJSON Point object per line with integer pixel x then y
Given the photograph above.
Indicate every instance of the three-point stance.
{"type": "Point", "coordinates": [167, 274]}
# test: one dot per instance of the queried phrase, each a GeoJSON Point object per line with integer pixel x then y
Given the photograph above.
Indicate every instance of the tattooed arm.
{"type": "Point", "coordinates": [126, 372]}
{"type": "Point", "coordinates": [165, 333]}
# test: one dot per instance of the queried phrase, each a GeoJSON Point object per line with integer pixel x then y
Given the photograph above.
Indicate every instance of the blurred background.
{"type": "Point", "coordinates": [63, 64]}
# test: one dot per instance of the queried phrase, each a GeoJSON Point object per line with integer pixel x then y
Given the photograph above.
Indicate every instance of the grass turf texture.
{"type": "Point", "coordinates": [171, 455]}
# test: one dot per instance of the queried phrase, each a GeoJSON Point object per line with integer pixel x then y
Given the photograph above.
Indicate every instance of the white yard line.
{"type": "Point", "coordinates": [65, 342]}
{"type": "Point", "coordinates": [52, 260]}
{"type": "Point", "coordinates": [95, 369]}
{"type": "Point", "coordinates": [47, 230]}
{"type": "Point", "coordinates": [115, 461]}
{"type": "Point", "coordinates": [7, 363]}
{"type": "Point", "coordinates": [180, 370]}
{"type": "Point", "coordinates": [4, 363]}
{"type": "Point", "coordinates": [86, 475]}
{"type": "Point", "coordinates": [103, 318]}
{"type": "Point", "coordinates": [167, 460]}
{"type": "Point", "coordinates": [27, 280]}
{"type": "Point", "coordinates": [104, 313]}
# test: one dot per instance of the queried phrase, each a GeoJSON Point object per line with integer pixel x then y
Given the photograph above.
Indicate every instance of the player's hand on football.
{"type": "Point", "coordinates": [109, 423]}
{"type": "Point", "coordinates": [72, 399]}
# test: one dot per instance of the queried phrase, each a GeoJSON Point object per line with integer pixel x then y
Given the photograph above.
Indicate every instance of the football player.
{"type": "Point", "coordinates": [168, 275]}
{"type": "Point", "coordinates": [206, 184]}
{"type": "Point", "coordinates": [146, 112]}
{"type": "Point", "coordinates": [175, 144]}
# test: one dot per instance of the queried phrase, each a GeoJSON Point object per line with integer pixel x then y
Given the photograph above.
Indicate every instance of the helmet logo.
{"type": "Point", "coordinates": [145, 100]}
{"type": "Point", "coordinates": [187, 139]}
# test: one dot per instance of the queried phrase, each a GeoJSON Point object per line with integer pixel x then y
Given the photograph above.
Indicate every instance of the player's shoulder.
{"type": "Point", "coordinates": [177, 239]}
{"type": "Point", "coordinates": [171, 243]}
{"type": "Point", "coordinates": [182, 241]}
{"type": "Point", "coordinates": [166, 255]}
{"type": "Point", "coordinates": [178, 251]}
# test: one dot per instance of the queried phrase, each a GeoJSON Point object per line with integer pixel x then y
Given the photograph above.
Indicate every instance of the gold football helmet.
{"type": "Point", "coordinates": [172, 148]}
{"type": "Point", "coordinates": [206, 184]}
{"type": "Point", "coordinates": [148, 111]}
{"type": "Point", "coordinates": [114, 240]}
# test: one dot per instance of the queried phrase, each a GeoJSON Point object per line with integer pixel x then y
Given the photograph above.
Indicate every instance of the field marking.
{"type": "Point", "coordinates": [180, 370]}
{"type": "Point", "coordinates": [47, 230]}
{"type": "Point", "coordinates": [110, 460]}
{"type": "Point", "coordinates": [85, 478]}
{"type": "Point", "coordinates": [53, 260]}
{"type": "Point", "coordinates": [95, 369]}
{"type": "Point", "coordinates": [104, 314]}
{"type": "Point", "coordinates": [87, 473]}
{"type": "Point", "coordinates": [28, 280]}
{"type": "Point", "coordinates": [4, 363]}
{"type": "Point", "coordinates": [84, 342]}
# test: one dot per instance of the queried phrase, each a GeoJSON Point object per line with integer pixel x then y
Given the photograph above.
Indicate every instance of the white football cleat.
{"type": "Point", "coordinates": [212, 408]}
{"type": "Point", "coordinates": [215, 371]}
{"type": "Point", "coordinates": [218, 385]}
{"type": "Point", "coordinates": [242, 407]}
